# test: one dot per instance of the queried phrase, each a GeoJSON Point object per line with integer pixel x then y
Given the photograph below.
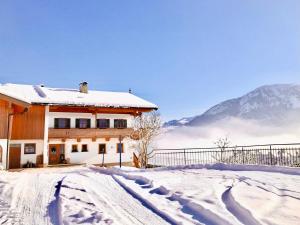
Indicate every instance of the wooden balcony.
{"type": "Point", "coordinates": [75, 133]}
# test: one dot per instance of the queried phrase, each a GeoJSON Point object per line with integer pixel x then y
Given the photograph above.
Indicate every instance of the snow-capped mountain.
{"type": "Point", "coordinates": [270, 103]}
{"type": "Point", "coordinates": [177, 123]}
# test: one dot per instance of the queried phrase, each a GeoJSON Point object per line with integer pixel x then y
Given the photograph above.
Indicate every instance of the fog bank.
{"type": "Point", "coordinates": [238, 131]}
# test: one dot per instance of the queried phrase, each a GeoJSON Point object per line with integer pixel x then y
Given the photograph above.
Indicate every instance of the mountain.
{"type": "Point", "coordinates": [270, 103]}
{"type": "Point", "coordinates": [177, 123]}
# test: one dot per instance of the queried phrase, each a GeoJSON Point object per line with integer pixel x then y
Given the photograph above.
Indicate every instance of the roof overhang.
{"type": "Point", "coordinates": [14, 100]}
{"type": "Point", "coordinates": [95, 109]}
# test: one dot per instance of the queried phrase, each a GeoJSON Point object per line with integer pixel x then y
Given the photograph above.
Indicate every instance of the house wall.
{"type": "Point", "coordinates": [92, 156]}
{"type": "Point", "coordinates": [29, 157]}
{"type": "Point", "coordinates": [46, 133]}
{"type": "Point", "coordinates": [29, 125]}
{"type": "Point", "coordinates": [25, 128]}
{"type": "Point", "coordinates": [74, 116]}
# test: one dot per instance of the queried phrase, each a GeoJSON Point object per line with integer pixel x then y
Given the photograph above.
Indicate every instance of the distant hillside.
{"type": "Point", "coordinates": [177, 123]}
{"type": "Point", "coordinates": [271, 103]}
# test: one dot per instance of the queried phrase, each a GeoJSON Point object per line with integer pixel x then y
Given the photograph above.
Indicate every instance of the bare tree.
{"type": "Point", "coordinates": [222, 144]}
{"type": "Point", "coordinates": [146, 128]}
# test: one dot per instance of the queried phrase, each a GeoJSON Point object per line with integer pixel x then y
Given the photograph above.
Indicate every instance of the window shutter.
{"type": "Point", "coordinates": [108, 123]}
{"type": "Point", "coordinates": [125, 123]}
{"type": "Point", "coordinates": [77, 123]}
{"type": "Point", "coordinates": [68, 123]}
{"type": "Point", "coordinates": [55, 123]}
{"type": "Point", "coordinates": [88, 123]}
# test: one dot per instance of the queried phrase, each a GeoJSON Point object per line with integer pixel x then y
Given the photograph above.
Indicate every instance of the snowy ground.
{"type": "Point", "coordinates": [217, 194]}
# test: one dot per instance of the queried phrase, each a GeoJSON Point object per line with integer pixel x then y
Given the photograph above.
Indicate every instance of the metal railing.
{"type": "Point", "coordinates": [271, 154]}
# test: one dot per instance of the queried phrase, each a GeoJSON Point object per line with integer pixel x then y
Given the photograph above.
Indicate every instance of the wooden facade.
{"type": "Point", "coordinates": [4, 108]}
{"type": "Point", "coordinates": [29, 125]}
{"type": "Point", "coordinates": [75, 133]}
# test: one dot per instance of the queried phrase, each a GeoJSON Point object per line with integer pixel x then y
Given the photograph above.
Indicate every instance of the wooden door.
{"type": "Point", "coordinates": [54, 153]}
{"type": "Point", "coordinates": [14, 157]}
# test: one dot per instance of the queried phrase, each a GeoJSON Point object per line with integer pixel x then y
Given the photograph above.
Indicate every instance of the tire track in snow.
{"type": "Point", "coordinates": [118, 204]}
{"type": "Point", "coordinates": [264, 186]}
{"type": "Point", "coordinates": [77, 205]}
{"type": "Point", "coordinates": [241, 213]}
{"type": "Point", "coordinates": [145, 202]}
{"type": "Point", "coordinates": [8, 216]}
{"type": "Point", "coordinates": [197, 211]}
{"type": "Point", "coordinates": [32, 194]}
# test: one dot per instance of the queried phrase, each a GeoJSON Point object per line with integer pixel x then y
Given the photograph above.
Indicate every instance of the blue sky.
{"type": "Point", "coordinates": [183, 55]}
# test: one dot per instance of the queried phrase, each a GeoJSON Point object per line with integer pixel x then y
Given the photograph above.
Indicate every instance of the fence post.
{"type": "Point", "coordinates": [271, 155]}
{"type": "Point", "coordinates": [184, 157]}
{"type": "Point", "coordinates": [243, 156]}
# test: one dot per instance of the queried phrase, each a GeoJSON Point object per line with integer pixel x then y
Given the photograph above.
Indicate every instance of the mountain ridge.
{"type": "Point", "coordinates": [270, 103]}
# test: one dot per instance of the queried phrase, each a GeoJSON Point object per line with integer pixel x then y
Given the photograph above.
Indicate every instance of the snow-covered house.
{"type": "Point", "coordinates": [47, 126]}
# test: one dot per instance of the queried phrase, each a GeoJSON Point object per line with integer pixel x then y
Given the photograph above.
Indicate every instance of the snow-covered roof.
{"type": "Point", "coordinates": [37, 94]}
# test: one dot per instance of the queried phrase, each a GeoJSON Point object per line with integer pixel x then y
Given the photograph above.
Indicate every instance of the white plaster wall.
{"type": "Point", "coordinates": [45, 141]}
{"type": "Point", "coordinates": [74, 116]}
{"type": "Point", "coordinates": [29, 157]}
{"type": "Point", "coordinates": [111, 117]}
{"type": "Point", "coordinates": [92, 156]}
{"type": "Point", "coordinates": [3, 143]}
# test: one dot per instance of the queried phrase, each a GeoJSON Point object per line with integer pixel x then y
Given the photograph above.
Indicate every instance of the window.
{"type": "Point", "coordinates": [120, 147]}
{"type": "Point", "coordinates": [62, 123]}
{"type": "Point", "coordinates": [102, 148]}
{"type": "Point", "coordinates": [29, 149]}
{"type": "Point", "coordinates": [74, 148]}
{"type": "Point", "coordinates": [83, 123]}
{"type": "Point", "coordinates": [119, 123]}
{"type": "Point", "coordinates": [102, 123]}
{"type": "Point", "coordinates": [1, 152]}
{"type": "Point", "coordinates": [53, 150]}
{"type": "Point", "coordinates": [84, 148]}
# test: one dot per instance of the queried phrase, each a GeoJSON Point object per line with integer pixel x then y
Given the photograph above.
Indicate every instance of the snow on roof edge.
{"type": "Point", "coordinates": [91, 105]}
{"type": "Point", "coordinates": [15, 97]}
{"type": "Point", "coordinates": [41, 95]}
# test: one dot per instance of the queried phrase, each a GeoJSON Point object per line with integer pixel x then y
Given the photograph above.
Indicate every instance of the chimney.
{"type": "Point", "coordinates": [83, 87]}
{"type": "Point", "coordinates": [130, 91]}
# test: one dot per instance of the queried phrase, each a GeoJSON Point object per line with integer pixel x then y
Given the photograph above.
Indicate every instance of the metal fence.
{"type": "Point", "coordinates": [271, 154]}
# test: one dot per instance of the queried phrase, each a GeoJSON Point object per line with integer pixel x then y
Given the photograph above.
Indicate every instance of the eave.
{"type": "Point", "coordinates": [14, 100]}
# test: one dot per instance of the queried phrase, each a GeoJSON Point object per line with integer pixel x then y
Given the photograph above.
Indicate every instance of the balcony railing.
{"type": "Point", "coordinates": [90, 133]}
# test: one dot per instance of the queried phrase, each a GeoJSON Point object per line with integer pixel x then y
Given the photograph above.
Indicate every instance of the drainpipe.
{"type": "Point", "coordinates": [8, 132]}
{"type": "Point", "coordinates": [120, 149]}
